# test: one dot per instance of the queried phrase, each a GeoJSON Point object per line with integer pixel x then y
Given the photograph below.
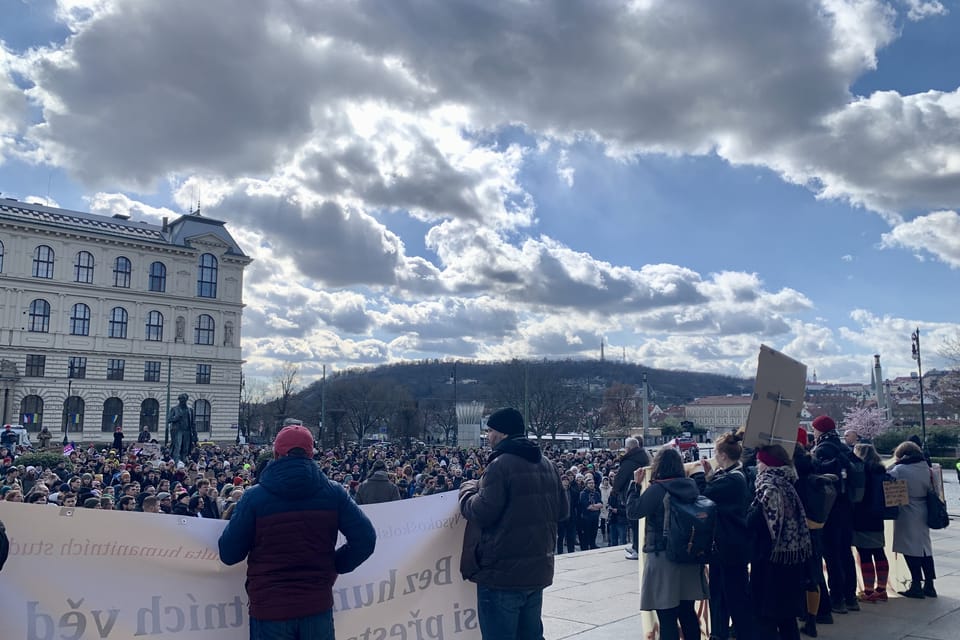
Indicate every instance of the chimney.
{"type": "Point", "coordinates": [164, 224]}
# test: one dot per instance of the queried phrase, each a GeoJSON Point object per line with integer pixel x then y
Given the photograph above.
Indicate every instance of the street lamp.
{"type": "Point", "coordinates": [915, 338]}
{"type": "Point", "coordinates": [240, 408]}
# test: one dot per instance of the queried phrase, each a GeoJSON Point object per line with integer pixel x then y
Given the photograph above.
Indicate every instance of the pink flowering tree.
{"type": "Point", "coordinates": [868, 422]}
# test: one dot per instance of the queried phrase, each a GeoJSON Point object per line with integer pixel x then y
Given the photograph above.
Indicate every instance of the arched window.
{"type": "Point", "coordinates": [39, 316]}
{"type": "Point", "coordinates": [83, 269]}
{"type": "Point", "coordinates": [201, 415]}
{"type": "Point", "coordinates": [80, 320]}
{"type": "Point", "coordinates": [150, 414]}
{"type": "Point", "coordinates": [121, 272]}
{"type": "Point", "coordinates": [204, 329]}
{"type": "Point", "coordinates": [112, 414]}
{"type": "Point", "coordinates": [1, 257]}
{"type": "Point", "coordinates": [118, 323]}
{"type": "Point", "coordinates": [154, 326]}
{"type": "Point", "coordinates": [158, 277]}
{"type": "Point", "coordinates": [72, 414]}
{"type": "Point", "coordinates": [31, 412]}
{"type": "Point", "coordinates": [207, 276]}
{"type": "Point", "coordinates": [43, 262]}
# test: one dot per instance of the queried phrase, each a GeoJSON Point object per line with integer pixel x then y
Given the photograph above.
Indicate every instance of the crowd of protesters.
{"type": "Point", "coordinates": [774, 532]}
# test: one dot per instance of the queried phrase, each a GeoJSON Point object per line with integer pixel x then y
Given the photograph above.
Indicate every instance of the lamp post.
{"type": "Point", "coordinates": [915, 338]}
{"type": "Point", "coordinates": [66, 409]}
{"type": "Point", "coordinates": [240, 408]}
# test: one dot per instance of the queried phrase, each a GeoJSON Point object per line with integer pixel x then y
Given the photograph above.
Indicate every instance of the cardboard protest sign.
{"type": "Point", "coordinates": [895, 493]}
{"type": "Point", "coordinates": [777, 401]}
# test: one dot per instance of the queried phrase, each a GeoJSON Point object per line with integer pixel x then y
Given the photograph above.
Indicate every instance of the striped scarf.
{"type": "Point", "coordinates": [786, 520]}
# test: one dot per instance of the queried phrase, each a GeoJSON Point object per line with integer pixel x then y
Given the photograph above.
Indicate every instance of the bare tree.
{"type": "Point", "coordinates": [440, 413]}
{"type": "Point", "coordinates": [620, 404]}
{"type": "Point", "coordinates": [369, 404]}
{"type": "Point", "coordinates": [253, 397]}
{"type": "Point", "coordinates": [538, 390]}
{"type": "Point", "coordinates": [948, 386]}
{"type": "Point", "coordinates": [285, 384]}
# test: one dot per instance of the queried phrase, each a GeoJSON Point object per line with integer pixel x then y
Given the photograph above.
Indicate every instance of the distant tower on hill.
{"type": "Point", "coordinates": [878, 389]}
{"type": "Point", "coordinates": [601, 349]}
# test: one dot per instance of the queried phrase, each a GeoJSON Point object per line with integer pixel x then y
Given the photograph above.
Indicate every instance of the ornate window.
{"type": "Point", "coordinates": [39, 316]}
{"type": "Point", "coordinates": [31, 412]}
{"type": "Point", "coordinates": [201, 415]}
{"type": "Point", "coordinates": [83, 269]}
{"type": "Point", "coordinates": [207, 276]}
{"type": "Point", "coordinates": [150, 414]}
{"type": "Point", "coordinates": [77, 367]}
{"type": "Point", "coordinates": [154, 326]}
{"type": "Point", "coordinates": [43, 262]}
{"type": "Point", "coordinates": [118, 323]}
{"type": "Point", "coordinates": [158, 277]}
{"type": "Point", "coordinates": [80, 320]}
{"type": "Point", "coordinates": [151, 371]}
{"type": "Point", "coordinates": [115, 368]}
{"type": "Point", "coordinates": [121, 272]}
{"type": "Point", "coordinates": [203, 333]}
{"type": "Point", "coordinates": [72, 414]}
{"type": "Point", "coordinates": [112, 414]}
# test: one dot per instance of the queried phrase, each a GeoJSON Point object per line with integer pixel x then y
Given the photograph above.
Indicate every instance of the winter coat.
{"type": "Point", "coordinates": [649, 506]}
{"type": "Point", "coordinates": [377, 488]}
{"type": "Point", "coordinates": [631, 461]}
{"type": "Point", "coordinates": [728, 489]}
{"type": "Point", "coordinates": [866, 515]}
{"type": "Point", "coordinates": [512, 515]}
{"type": "Point", "coordinates": [287, 527]}
{"type": "Point", "coordinates": [911, 536]}
{"type": "Point", "coordinates": [587, 498]}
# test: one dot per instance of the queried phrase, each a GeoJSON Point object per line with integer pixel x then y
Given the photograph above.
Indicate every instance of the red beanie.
{"type": "Point", "coordinates": [769, 459]}
{"type": "Point", "coordinates": [801, 436]}
{"type": "Point", "coordinates": [822, 424]}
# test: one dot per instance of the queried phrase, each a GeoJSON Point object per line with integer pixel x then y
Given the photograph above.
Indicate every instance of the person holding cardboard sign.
{"type": "Point", "coordinates": [911, 535]}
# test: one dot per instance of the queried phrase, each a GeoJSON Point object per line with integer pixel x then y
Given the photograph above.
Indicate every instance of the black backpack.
{"type": "Point", "coordinates": [818, 493]}
{"type": "Point", "coordinates": [688, 529]}
{"type": "Point", "coordinates": [4, 545]}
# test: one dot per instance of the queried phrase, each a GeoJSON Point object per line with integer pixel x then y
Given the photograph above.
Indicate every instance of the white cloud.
{"type": "Point", "coordinates": [847, 258]}
{"type": "Point", "coordinates": [921, 9]}
{"type": "Point", "coordinates": [937, 233]}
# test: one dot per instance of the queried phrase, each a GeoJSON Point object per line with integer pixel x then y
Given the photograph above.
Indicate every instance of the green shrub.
{"type": "Point", "coordinates": [941, 441]}
{"type": "Point", "coordinates": [45, 459]}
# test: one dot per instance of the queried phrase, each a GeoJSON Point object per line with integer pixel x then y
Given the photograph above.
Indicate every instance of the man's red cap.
{"type": "Point", "coordinates": [292, 437]}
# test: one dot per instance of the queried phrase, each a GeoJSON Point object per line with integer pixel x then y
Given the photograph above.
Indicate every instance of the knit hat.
{"type": "Point", "coordinates": [507, 421]}
{"type": "Point", "coordinates": [769, 459]}
{"type": "Point", "coordinates": [801, 436]}
{"type": "Point", "coordinates": [379, 465]}
{"type": "Point", "coordinates": [293, 437]}
{"type": "Point", "coordinates": [163, 495]}
{"type": "Point", "coordinates": [822, 424]}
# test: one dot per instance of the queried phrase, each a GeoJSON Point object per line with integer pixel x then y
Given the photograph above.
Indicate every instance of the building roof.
{"type": "Point", "coordinates": [178, 233]}
{"type": "Point", "coordinates": [720, 400]}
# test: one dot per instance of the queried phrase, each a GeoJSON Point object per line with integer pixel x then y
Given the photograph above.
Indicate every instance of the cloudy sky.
{"type": "Point", "coordinates": [682, 179]}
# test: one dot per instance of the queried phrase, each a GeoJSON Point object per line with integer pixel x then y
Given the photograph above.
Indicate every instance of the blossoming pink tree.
{"type": "Point", "coordinates": [868, 422]}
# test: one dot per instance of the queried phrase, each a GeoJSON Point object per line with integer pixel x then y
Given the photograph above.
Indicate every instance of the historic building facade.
{"type": "Point", "coordinates": [719, 414]}
{"type": "Point", "coordinates": [105, 320]}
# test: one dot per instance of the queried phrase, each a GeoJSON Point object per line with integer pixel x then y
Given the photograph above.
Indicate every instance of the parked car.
{"type": "Point", "coordinates": [687, 446]}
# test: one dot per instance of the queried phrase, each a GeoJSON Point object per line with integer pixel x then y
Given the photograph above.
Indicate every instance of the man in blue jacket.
{"type": "Point", "coordinates": [286, 527]}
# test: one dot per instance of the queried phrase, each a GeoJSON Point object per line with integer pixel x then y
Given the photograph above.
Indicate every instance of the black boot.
{"type": "Point", "coordinates": [928, 589]}
{"type": "Point", "coordinates": [810, 626]}
{"type": "Point", "coordinates": [913, 592]}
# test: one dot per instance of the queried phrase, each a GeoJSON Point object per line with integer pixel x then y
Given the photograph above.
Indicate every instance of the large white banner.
{"type": "Point", "coordinates": [83, 574]}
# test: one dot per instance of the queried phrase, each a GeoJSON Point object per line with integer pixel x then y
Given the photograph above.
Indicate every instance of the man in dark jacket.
{"type": "Point", "coordinates": [830, 457]}
{"type": "Point", "coordinates": [512, 515]}
{"type": "Point", "coordinates": [635, 457]}
{"type": "Point", "coordinates": [377, 488]}
{"type": "Point", "coordinates": [286, 526]}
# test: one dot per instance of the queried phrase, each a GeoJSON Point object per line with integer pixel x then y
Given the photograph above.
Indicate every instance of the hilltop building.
{"type": "Point", "coordinates": [718, 414]}
{"type": "Point", "coordinates": [104, 319]}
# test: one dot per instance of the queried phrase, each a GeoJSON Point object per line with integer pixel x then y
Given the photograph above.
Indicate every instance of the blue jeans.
{"type": "Point", "coordinates": [317, 627]}
{"type": "Point", "coordinates": [509, 614]}
{"type": "Point", "coordinates": [617, 533]}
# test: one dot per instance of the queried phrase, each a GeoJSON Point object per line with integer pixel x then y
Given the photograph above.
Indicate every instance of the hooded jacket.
{"type": "Point", "coordinates": [286, 526]}
{"type": "Point", "coordinates": [512, 516]}
{"type": "Point", "coordinates": [649, 506]}
{"type": "Point", "coordinates": [377, 488]}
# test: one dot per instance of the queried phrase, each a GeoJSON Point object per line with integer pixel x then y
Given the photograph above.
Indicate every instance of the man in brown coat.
{"type": "Point", "coordinates": [377, 488]}
{"type": "Point", "coordinates": [512, 514]}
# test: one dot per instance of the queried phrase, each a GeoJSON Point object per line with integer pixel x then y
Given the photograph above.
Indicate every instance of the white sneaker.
{"type": "Point", "coordinates": [632, 555]}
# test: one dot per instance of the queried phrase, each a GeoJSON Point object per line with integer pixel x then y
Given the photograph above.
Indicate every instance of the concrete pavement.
{"type": "Point", "coordinates": [596, 596]}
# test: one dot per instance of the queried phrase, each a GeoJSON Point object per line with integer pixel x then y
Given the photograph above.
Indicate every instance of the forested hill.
{"type": "Point", "coordinates": [485, 382]}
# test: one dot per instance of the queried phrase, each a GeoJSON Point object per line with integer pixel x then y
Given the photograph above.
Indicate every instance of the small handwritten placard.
{"type": "Point", "coordinates": [895, 493]}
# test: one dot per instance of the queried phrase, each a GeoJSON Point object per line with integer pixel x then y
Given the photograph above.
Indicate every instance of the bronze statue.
{"type": "Point", "coordinates": [183, 429]}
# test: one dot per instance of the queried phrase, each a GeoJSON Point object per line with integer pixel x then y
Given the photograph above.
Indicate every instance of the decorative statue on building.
{"type": "Point", "coordinates": [183, 429]}
{"type": "Point", "coordinates": [181, 328]}
{"type": "Point", "coordinates": [228, 333]}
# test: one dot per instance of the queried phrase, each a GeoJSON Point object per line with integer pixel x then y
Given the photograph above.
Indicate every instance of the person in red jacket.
{"type": "Point", "coordinates": [287, 526]}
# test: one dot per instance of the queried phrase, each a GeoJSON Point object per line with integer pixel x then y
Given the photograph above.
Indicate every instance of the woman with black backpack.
{"type": "Point", "coordinates": [667, 587]}
{"type": "Point", "coordinates": [868, 527]}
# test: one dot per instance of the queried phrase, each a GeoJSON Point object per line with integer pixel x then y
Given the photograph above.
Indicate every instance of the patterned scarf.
{"type": "Point", "coordinates": [784, 514]}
